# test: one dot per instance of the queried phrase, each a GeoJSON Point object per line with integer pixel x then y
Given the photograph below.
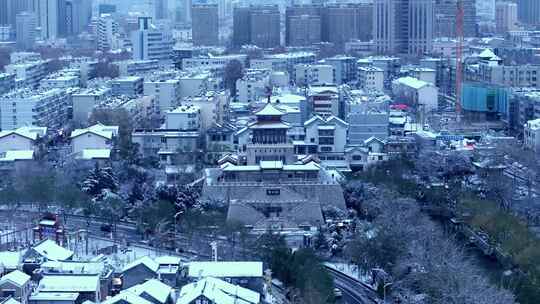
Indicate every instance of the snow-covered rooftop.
{"type": "Point", "coordinates": [17, 277]}
{"type": "Point", "coordinates": [217, 291]}
{"type": "Point", "coordinates": [269, 110]}
{"type": "Point", "coordinates": [52, 251]}
{"type": "Point", "coordinates": [412, 82]}
{"type": "Point", "coordinates": [126, 297]}
{"type": "Point", "coordinates": [225, 269]}
{"type": "Point", "coordinates": [69, 283]}
{"type": "Point", "coordinates": [31, 133]}
{"type": "Point", "coordinates": [102, 130]}
{"type": "Point", "coordinates": [154, 288]}
{"type": "Point", "coordinates": [146, 261]}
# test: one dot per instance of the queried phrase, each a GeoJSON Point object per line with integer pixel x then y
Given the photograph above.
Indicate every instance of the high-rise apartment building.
{"type": "Point", "coordinates": [403, 26]}
{"type": "Point", "coordinates": [107, 29]}
{"type": "Point", "coordinates": [506, 16]}
{"type": "Point", "coordinates": [205, 24]}
{"type": "Point", "coordinates": [529, 11]}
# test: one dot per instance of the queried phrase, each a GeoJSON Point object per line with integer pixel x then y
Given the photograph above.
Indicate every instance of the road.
{"type": "Point", "coordinates": [354, 292]}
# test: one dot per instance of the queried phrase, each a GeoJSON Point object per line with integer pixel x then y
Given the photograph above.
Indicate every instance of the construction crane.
{"type": "Point", "coordinates": [459, 55]}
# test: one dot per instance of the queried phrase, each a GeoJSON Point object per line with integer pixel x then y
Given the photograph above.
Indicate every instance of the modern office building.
{"type": "Point", "coordinates": [265, 26]}
{"type": "Point", "coordinates": [303, 30]}
{"type": "Point", "coordinates": [529, 11]}
{"type": "Point", "coordinates": [150, 43]}
{"type": "Point", "coordinates": [342, 23]}
{"type": "Point", "coordinates": [26, 30]}
{"type": "Point", "coordinates": [303, 25]}
{"type": "Point", "coordinates": [257, 25]}
{"type": "Point", "coordinates": [14, 7]}
{"type": "Point", "coordinates": [445, 18]}
{"type": "Point", "coordinates": [241, 32]}
{"type": "Point", "coordinates": [161, 9]}
{"type": "Point", "coordinates": [51, 18]}
{"type": "Point", "coordinates": [205, 24]}
{"type": "Point", "coordinates": [506, 16]}
{"type": "Point", "coordinates": [403, 26]}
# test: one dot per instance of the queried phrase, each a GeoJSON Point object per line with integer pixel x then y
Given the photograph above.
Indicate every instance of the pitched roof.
{"type": "Point", "coordinates": [313, 119]}
{"type": "Point", "coordinates": [126, 297]}
{"type": "Point", "coordinates": [218, 291]}
{"type": "Point", "coordinates": [487, 53]}
{"type": "Point", "coordinates": [269, 110]}
{"type": "Point", "coordinates": [146, 261]}
{"type": "Point", "coordinates": [31, 133]}
{"type": "Point", "coordinates": [52, 251]}
{"type": "Point", "coordinates": [154, 288]}
{"type": "Point", "coordinates": [16, 277]}
{"type": "Point", "coordinates": [225, 269]}
{"type": "Point", "coordinates": [101, 130]}
{"type": "Point", "coordinates": [11, 301]}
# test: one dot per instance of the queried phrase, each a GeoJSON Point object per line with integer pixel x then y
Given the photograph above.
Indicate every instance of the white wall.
{"type": "Point", "coordinates": [15, 142]}
{"type": "Point", "coordinates": [89, 141]}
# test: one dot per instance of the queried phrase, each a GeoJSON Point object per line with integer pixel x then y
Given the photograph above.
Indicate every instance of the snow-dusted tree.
{"type": "Point", "coordinates": [99, 179]}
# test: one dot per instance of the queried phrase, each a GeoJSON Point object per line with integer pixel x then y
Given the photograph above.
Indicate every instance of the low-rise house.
{"type": "Point", "coordinates": [86, 286]}
{"type": "Point", "coordinates": [369, 153]}
{"type": "Point", "coordinates": [11, 260]}
{"type": "Point", "coordinates": [165, 143]}
{"type": "Point", "coordinates": [16, 285]}
{"type": "Point", "coordinates": [126, 297]}
{"type": "Point", "coordinates": [21, 139]}
{"type": "Point", "coordinates": [139, 271]}
{"type": "Point", "coordinates": [153, 291]}
{"type": "Point", "coordinates": [47, 250]}
{"type": "Point", "coordinates": [327, 135]}
{"type": "Point", "coordinates": [93, 141]}
{"type": "Point", "coordinates": [246, 274]}
{"type": "Point", "coordinates": [55, 297]}
{"type": "Point", "coordinates": [169, 267]}
{"type": "Point", "coordinates": [215, 291]}
{"type": "Point", "coordinates": [101, 269]}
